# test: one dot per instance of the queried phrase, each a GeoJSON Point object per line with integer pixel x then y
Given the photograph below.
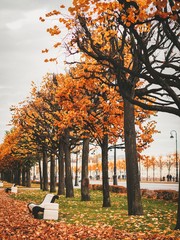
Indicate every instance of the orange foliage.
{"type": "Point", "coordinates": [104, 16]}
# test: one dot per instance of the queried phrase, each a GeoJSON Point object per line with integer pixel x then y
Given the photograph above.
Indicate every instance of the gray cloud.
{"type": "Point", "coordinates": [23, 37]}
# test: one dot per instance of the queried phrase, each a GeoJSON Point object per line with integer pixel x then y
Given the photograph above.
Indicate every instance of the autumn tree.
{"type": "Point", "coordinates": [52, 140]}
{"type": "Point", "coordinates": [160, 164]}
{"type": "Point", "coordinates": [55, 133]}
{"type": "Point", "coordinates": [154, 162]}
{"type": "Point", "coordinates": [27, 117]}
{"type": "Point", "coordinates": [37, 124]}
{"type": "Point", "coordinates": [6, 156]}
{"type": "Point", "coordinates": [72, 118]}
{"type": "Point", "coordinates": [26, 152]}
{"type": "Point", "coordinates": [170, 161]}
{"type": "Point", "coordinates": [154, 26]}
{"type": "Point", "coordinates": [147, 164]}
{"type": "Point", "coordinates": [112, 53]}
{"type": "Point", "coordinates": [96, 109]}
{"type": "Point", "coordinates": [17, 157]}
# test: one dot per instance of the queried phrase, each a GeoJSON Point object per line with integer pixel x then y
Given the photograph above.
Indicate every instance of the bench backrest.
{"type": "Point", "coordinates": [48, 199]}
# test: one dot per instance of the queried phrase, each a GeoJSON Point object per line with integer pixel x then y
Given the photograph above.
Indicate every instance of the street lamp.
{"type": "Point", "coordinates": [115, 175]}
{"type": "Point", "coordinates": [115, 168]}
{"type": "Point", "coordinates": [76, 176]}
{"type": "Point", "coordinates": [172, 136]}
{"type": "Point", "coordinates": [119, 146]}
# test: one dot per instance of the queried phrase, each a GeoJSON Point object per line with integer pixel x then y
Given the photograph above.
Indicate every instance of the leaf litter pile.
{"type": "Point", "coordinates": [17, 223]}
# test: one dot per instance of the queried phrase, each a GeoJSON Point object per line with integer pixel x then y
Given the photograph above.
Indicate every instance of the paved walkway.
{"type": "Point", "coordinates": [17, 223]}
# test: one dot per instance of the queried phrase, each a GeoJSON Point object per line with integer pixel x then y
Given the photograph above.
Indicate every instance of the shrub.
{"type": "Point", "coordinates": [154, 194]}
{"type": "Point", "coordinates": [117, 189]}
{"type": "Point", "coordinates": [167, 194]}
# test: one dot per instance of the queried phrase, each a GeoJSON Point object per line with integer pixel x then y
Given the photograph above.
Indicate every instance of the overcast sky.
{"type": "Point", "coordinates": [23, 37]}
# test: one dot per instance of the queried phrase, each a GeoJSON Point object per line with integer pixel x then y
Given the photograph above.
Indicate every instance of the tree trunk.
{"type": "Point", "coordinates": [15, 171]}
{"type": "Point", "coordinates": [52, 174]}
{"type": "Point", "coordinates": [61, 190]}
{"type": "Point", "coordinates": [105, 177]}
{"type": "Point", "coordinates": [147, 178]}
{"type": "Point", "coordinates": [68, 178]}
{"type": "Point", "coordinates": [160, 173]}
{"type": "Point", "coordinates": [12, 176]}
{"type": "Point", "coordinates": [23, 176]}
{"type": "Point", "coordinates": [9, 176]}
{"type": "Point", "coordinates": [45, 171]}
{"type": "Point", "coordinates": [28, 177]}
{"type": "Point", "coordinates": [6, 175]}
{"type": "Point", "coordinates": [19, 174]}
{"type": "Point", "coordinates": [133, 185]}
{"type": "Point", "coordinates": [153, 173]}
{"type": "Point", "coordinates": [85, 196]}
{"type": "Point", "coordinates": [177, 227]}
{"type": "Point", "coordinates": [40, 171]}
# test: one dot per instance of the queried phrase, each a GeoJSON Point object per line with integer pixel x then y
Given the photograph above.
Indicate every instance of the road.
{"type": "Point", "coordinates": [147, 185]}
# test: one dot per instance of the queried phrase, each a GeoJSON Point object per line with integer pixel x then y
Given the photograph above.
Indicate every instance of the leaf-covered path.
{"type": "Point", "coordinates": [17, 223]}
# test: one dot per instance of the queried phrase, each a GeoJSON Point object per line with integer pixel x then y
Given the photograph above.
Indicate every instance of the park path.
{"type": "Point", "coordinates": [17, 223]}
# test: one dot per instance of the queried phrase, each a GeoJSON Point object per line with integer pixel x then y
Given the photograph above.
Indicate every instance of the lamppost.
{"type": "Point", "coordinates": [115, 175]}
{"type": "Point", "coordinates": [172, 136]}
{"type": "Point", "coordinates": [119, 146]}
{"type": "Point", "coordinates": [76, 176]}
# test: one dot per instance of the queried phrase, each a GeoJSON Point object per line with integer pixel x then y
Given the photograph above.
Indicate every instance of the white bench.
{"type": "Point", "coordinates": [13, 189]}
{"type": "Point", "coordinates": [48, 207]}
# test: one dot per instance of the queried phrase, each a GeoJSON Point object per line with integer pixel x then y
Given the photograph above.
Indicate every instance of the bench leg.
{"type": "Point", "coordinates": [8, 190]}
{"type": "Point", "coordinates": [36, 210]}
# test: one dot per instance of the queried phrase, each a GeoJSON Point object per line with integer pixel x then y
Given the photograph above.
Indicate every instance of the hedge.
{"type": "Point", "coordinates": [155, 194]}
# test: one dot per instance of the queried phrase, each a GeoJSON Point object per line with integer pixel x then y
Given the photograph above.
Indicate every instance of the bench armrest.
{"type": "Point", "coordinates": [51, 206]}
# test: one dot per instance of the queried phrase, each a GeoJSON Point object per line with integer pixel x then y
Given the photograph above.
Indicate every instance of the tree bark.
{"type": "Point", "coordinates": [52, 174]}
{"type": "Point", "coordinates": [85, 195]}
{"type": "Point", "coordinates": [105, 177]}
{"type": "Point", "coordinates": [68, 178]}
{"type": "Point", "coordinates": [177, 227]}
{"type": "Point", "coordinates": [40, 171]}
{"type": "Point", "coordinates": [16, 173]}
{"type": "Point", "coordinates": [23, 176]}
{"type": "Point", "coordinates": [28, 177]}
{"type": "Point", "coordinates": [45, 171]}
{"type": "Point", "coordinates": [133, 185]}
{"type": "Point", "coordinates": [19, 174]}
{"type": "Point", "coordinates": [61, 190]}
